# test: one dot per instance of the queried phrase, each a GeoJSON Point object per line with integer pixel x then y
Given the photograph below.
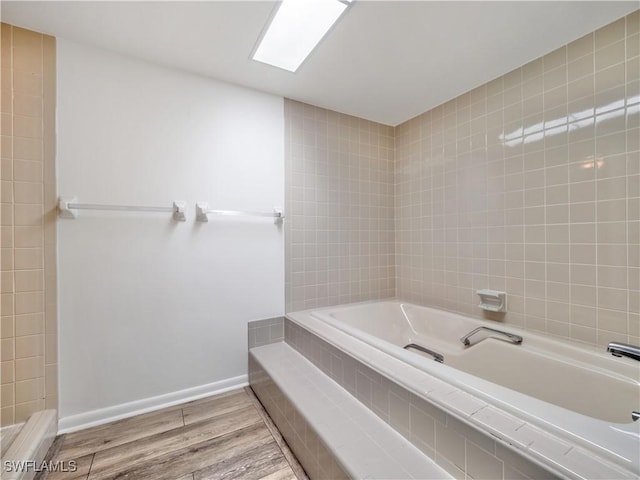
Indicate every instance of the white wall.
{"type": "Point", "coordinates": [150, 310]}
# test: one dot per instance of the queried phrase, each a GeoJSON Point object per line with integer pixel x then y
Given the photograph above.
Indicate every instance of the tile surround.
{"type": "Point", "coordinates": [339, 199]}
{"type": "Point", "coordinates": [446, 423]}
{"type": "Point", "coordinates": [28, 328]}
{"type": "Point", "coordinates": [310, 410]}
{"type": "Point", "coordinates": [529, 184]}
{"type": "Point", "coordinates": [451, 443]}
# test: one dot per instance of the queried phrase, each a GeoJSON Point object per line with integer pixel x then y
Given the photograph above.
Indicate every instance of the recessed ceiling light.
{"type": "Point", "coordinates": [296, 29]}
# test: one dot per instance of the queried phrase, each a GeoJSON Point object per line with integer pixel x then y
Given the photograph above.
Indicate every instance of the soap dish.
{"type": "Point", "coordinates": [492, 300]}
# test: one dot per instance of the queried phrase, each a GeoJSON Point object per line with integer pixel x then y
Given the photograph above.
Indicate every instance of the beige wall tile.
{"type": "Point", "coordinates": [605, 79]}
{"type": "Point", "coordinates": [29, 390]}
{"type": "Point", "coordinates": [581, 67]}
{"type": "Point", "coordinates": [51, 349]}
{"type": "Point", "coordinates": [6, 216]}
{"type": "Point", "coordinates": [27, 171]}
{"type": "Point", "coordinates": [610, 55]}
{"type": "Point", "coordinates": [27, 152]}
{"type": "Point", "coordinates": [51, 380]}
{"type": "Point", "coordinates": [633, 23]}
{"type": "Point", "coordinates": [29, 368]}
{"type": "Point", "coordinates": [569, 204]}
{"type": "Point", "coordinates": [29, 324]}
{"type": "Point", "coordinates": [611, 33]}
{"type": "Point", "coordinates": [29, 346]}
{"type": "Point", "coordinates": [7, 259]}
{"type": "Point", "coordinates": [28, 237]}
{"type": "Point", "coordinates": [27, 83]}
{"type": "Point", "coordinates": [28, 258]}
{"type": "Point", "coordinates": [28, 192]}
{"type": "Point", "coordinates": [24, 410]}
{"type": "Point", "coordinates": [633, 46]}
{"type": "Point", "coordinates": [27, 50]}
{"type": "Point", "coordinates": [30, 302]}
{"type": "Point", "coordinates": [6, 80]}
{"type": "Point", "coordinates": [29, 105]}
{"type": "Point", "coordinates": [7, 394]}
{"type": "Point", "coordinates": [29, 127]}
{"type": "Point", "coordinates": [6, 147]}
{"type": "Point", "coordinates": [7, 192]}
{"type": "Point", "coordinates": [7, 40]}
{"type": "Point", "coordinates": [7, 416]}
{"type": "Point", "coordinates": [6, 169]}
{"type": "Point", "coordinates": [51, 400]}
{"type": "Point", "coordinates": [7, 282]}
{"type": "Point", "coordinates": [6, 322]}
{"type": "Point", "coordinates": [26, 148]}
{"type": "Point", "coordinates": [6, 124]}
{"type": "Point", "coordinates": [7, 372]}
{"type": "Point", "coordinates": [6, 237]}
{"type": "Point", "coordinates": [8, 349]}
{"type": "Point", "coordinates": [28, 215]}
{"type": "Point", "coordinates": [51, 319]}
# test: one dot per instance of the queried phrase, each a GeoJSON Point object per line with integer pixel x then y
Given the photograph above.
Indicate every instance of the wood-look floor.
{"type": "Point", "coordinates": [227, 436]}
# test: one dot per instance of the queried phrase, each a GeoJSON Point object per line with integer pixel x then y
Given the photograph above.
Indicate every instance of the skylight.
{"type": "Point", "coordinates": [296, 29]}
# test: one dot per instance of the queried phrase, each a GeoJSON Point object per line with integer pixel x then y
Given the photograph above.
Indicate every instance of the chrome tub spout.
{"type": "Point", "coordinates": [624, 350]}
{"type": "Point", "coordinates": [517, 339]}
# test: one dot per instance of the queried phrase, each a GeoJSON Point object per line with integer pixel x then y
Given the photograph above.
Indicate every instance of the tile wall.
{"type": "Point", "coordinates": [531, 184]}
{"type": "Point", "coordinates": [339, 202]}
{"type": "Point", "coordinates": [28, 374]}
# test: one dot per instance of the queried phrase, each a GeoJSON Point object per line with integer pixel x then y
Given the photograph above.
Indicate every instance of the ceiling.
{"type": "Point", "coordinates": [386, 61]}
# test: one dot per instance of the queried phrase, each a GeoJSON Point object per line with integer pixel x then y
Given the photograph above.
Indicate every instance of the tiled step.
{"type": "Point", "coordinates": [361, 444]}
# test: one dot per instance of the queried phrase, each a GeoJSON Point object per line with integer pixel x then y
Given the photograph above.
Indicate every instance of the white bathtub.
{"type": "Point", "coordinates": [580, 394]}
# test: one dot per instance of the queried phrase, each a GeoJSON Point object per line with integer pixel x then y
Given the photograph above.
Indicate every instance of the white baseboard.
{"type": "Point", "coordinates": [100, 416]}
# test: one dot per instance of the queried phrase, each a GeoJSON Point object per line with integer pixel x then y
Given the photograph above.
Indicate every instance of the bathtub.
{"type": "Point", "coordinates": [581, 395]}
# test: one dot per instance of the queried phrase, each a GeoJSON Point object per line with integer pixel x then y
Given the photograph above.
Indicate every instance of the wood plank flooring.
{"type": "Point", "coordinates": [224, 437]}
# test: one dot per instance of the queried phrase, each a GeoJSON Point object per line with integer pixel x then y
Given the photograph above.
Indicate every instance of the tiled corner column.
{"type": "Point", "coordinates": [458, 448]}
{"type": "Point", "coordinates": [264, 332]}
{"type": "Point", "coordinates": [28, 373]}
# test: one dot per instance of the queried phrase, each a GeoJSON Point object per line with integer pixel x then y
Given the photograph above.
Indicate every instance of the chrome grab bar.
{"type": "Point", "coordinates": [436, 356]}
{"type": "Point", "coordinates": [624, 350]}
{"type": "Point", "coordinates": [512, 338]}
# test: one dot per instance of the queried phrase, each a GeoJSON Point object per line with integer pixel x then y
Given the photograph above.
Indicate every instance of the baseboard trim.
{"type": "Point", "coordinates": [100, 416]}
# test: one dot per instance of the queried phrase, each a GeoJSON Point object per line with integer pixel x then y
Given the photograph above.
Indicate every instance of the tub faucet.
{"type": "Point", "coordinates": [624, 350]}
{"type": "Point", "coordinates": [510, 336]}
